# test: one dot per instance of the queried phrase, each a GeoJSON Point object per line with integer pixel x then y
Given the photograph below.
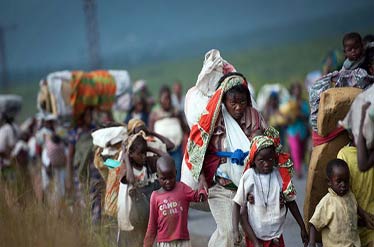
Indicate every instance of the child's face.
{"type": "Point", "coordinates": [265, 160]}
{"type": "Point", "coordinates": [339, 181]}
{"type": "Point", "coordinates": [167, 179]}
{"type": "Point", "coordinates": [353, 49]}
{"type": "Point", "coordinates": [138, 156]}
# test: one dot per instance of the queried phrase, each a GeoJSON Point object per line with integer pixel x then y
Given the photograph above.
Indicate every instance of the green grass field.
{"type": "Point", "coordinates": [277, 64]}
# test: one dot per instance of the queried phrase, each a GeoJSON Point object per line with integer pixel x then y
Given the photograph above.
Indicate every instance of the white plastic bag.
{"type": "Point", "coordinates": [124, 207]}
{"type": "Point", "coordinates": [352, 120]}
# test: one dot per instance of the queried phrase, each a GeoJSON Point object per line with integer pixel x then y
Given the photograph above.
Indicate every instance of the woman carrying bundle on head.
{"type": "Point", "coordinates": [217, 147]}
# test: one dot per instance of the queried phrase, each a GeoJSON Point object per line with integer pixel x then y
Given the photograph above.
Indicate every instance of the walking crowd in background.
{"type": "Point", "coordinates": [135, 163]}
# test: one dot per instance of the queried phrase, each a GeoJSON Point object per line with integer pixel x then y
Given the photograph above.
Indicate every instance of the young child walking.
{"type": "Point", "coordinates": [169, 208]}
{"type": "Point", "coordinates": [263, 196]}
{"type": "Point", "coordinates": [336, 214]}
{"type": "Point", "coordinates": [137, 183]}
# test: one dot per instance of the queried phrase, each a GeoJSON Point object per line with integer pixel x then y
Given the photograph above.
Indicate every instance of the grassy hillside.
{"type": "Point", "coordinates": [274, 64]}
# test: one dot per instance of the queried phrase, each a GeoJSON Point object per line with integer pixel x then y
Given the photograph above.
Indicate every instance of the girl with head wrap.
{"type": "Point", "coordinates": [268, 186]}
{"type": "Point", "coordinates": [217, 146]}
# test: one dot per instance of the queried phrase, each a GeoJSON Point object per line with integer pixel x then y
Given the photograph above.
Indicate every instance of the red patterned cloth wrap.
{"type": "Point", "coordinates": [285, 164]}
{"type": "Point", "coordinates": [201, 132]}
{"type": "Point", "coordinates": [92, 89]}
{"type": "Point", "coordinates": [318, 140]}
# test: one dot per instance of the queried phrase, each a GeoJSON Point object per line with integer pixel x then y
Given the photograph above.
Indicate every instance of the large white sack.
{"type": "Point", "coordinates": [170, 128]}
{"type": "Point", "coordinates": [55, 82]}
{"type": "Point", "coordinates": [352, 120]}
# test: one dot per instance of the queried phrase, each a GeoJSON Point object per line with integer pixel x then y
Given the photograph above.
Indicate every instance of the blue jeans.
{"type": "Point", "coordinates": [177, 157]}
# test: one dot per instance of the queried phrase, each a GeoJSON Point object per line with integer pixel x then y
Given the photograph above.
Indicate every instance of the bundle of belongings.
{"type": "Point", "coordinates": [350, 121]}
{"type": "Point", "coordinates": [108, 154]}
{"type": "Point", "coordinates": [196, 103]}
{"type": "Point", "coordinates": [65, 93]}
{"type": "Point", "coordinates": [330, 99]}
{"type": "Point", "coordinates": [197, 97]}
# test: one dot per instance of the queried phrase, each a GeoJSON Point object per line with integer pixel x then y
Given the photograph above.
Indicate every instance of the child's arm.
{"type": "Point", "coordinates": [235, 223]}
{"type": "Point", "coordinates": [312, 236]}
{"type": "Point", "coordinates": [169, 144]}
{"type": "Point", "coordinates": [157, 151]}
{"type": "Point", "coordinates": [247, 227]}
{"type": "Point", "coordinates": [152, 160]}
{"type": "Point", "coordinates": [367, 217]}
{"type": "Point", "coordinates": [126, 167]}
{"type": "Point", "coordinates": [194, 195]}
{"type": "Point", "coordinates": [151, 233]}
{"type": "Point", "coordinates": [365, 158]}
{"type": "Point", "coordinates": [292, 205]}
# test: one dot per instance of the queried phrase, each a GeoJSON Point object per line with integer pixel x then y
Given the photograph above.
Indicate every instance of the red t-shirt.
{"type": "Point", "coordinates": [169, 214]}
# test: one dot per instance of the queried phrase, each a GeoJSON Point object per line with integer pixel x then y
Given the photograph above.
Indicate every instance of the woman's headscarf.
{"type": "Point", "coordinates": [201, 132]}
{"type": "Point", "coordinates": [284, 163]}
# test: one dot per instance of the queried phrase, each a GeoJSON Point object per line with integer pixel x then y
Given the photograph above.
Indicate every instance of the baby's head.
{"type": "Point", "coordinates": [166, 172]}
{"type": "Point", "coordinates": [138, 150]}
{"type": "Point", "coordinates": [338, 176]}
{"type": "Point", "coordinates": [353, 48]}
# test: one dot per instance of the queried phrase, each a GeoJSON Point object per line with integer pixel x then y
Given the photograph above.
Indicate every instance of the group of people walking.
{"type": "Point", "coordinates": [232, 158]}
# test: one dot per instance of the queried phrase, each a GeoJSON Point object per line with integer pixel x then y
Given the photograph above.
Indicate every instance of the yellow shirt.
{"type": "Point", "coordinates": [336, 218]}
{"type": "Point", "coordinates": [362, 186]}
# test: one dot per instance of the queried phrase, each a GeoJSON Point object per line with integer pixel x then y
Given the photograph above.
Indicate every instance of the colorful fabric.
{"type": "Point", "coordinates": [349, 78]}
{"type": "Point", "coordinates": [236, 142]}
{"type": "Point", "coordinates": [111, 192]}
{"type": "Point", "coordinates": [92, 89]}
{"type": "Point", "coordinates": [285, 165]}
{"type": "Point", "coordinates": [318, 140]}
{"type": "Point", "coordinates": [251, 124]}
{"type": "Point", "coordinates": [271, 243]}
{"type": "Point", "coordinates": [300, 126]}
{"type": "Point", "coordinates": [297, 152]}
{"type": "Point", "coordinates": [201, 132]}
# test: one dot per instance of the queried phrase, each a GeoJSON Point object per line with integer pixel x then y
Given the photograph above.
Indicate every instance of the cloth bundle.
{"type": "Point", "coordinates": [352, 121]}
{"type": "Point", "coordinates": [107, 137]}
{"type": "Point", "coordinates": [92, 89]}
{"type": "Point", "coordinates": [348, 78]}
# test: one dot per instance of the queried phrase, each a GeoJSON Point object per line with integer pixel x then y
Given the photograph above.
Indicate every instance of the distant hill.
{"type": "Point", "coordinates": [50, 35]}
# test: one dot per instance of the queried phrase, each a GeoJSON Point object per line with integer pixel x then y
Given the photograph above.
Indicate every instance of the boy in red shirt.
{"type": "Point", "coordinates": [169, 208]}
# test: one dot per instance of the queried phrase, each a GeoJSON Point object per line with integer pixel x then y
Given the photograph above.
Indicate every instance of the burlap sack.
{"type": "Point", "coordinates": [316, 186]}
{"type": "Point", "coordinates": [334, 106]}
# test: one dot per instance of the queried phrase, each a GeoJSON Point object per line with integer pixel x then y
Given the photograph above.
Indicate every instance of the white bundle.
{"type": "Point", "coordinates": [352, 120]}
